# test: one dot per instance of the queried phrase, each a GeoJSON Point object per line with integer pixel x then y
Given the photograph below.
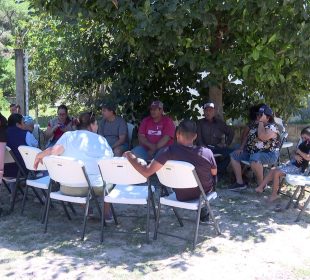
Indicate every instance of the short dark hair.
{"type": "Point", "coordinates": [12, 105]}
{"type": "Point", "coordinates": [111, 107]}
{"type": "Point", "coordinates": [306, 131]}
{"type": "Point", "coordinates": [86, 119]}
{"type": "Point", "coordinates": [15, 119]}
{"type": "Point", "coordinates": [188, 128]}
{"type": "Point", "coordinates": [62, 106]}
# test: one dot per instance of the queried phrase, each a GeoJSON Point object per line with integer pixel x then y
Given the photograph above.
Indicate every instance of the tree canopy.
{"type": "Point", "coordinates": [135, 51]}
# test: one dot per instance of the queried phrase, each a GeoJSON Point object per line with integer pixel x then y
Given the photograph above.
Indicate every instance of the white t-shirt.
{"type": "Point", "coordinates": [88, 147]}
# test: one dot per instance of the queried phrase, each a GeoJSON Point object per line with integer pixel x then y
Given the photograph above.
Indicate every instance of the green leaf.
{"type": "Point", "coordinates": [255, 54]}
{"type": "Point", "coordinates": [272, 38]}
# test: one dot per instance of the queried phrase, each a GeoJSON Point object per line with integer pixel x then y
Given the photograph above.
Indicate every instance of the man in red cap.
{"type": "Point", "coordinates": [155, 132]}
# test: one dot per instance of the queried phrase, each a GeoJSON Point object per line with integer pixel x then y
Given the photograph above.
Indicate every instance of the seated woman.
{"type": "Point", "coordinates": [262, 147]}
{"type": "Point", "coordinates": [296, 167]}
{"type": "Point", "coordinates": [58, 126]}
{"type": "Point", "coordinates": [17, 135]}
{"type": "Point", "coordinates": [85, 145]}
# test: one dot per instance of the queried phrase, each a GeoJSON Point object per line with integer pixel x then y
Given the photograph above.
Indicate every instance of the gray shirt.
{"type": "Point", "coordinates": [112, 130]}
{"type": "Point", "coordinates": [212, 132]}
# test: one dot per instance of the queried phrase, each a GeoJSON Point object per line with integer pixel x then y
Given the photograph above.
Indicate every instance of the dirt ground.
{"type": "Point", "coordinates": [256, 243]}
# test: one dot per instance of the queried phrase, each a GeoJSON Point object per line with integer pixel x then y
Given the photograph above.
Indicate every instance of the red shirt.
{"type": "Point", "coordinates": [154, 131]}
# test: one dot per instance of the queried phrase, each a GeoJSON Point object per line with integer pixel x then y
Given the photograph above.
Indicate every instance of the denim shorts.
{"type": "Point", "coordinates": [262, 157]}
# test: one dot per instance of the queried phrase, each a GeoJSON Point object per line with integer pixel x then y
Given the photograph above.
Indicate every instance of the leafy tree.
{"type": "Point", "coordinates": [158, 49]}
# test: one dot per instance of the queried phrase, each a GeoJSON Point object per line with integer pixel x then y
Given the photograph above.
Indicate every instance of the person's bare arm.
{"type": "Point", "coordinates": [145, 170]}
{"type": "Point", "coordinates": [303, 155]}
{"type": "Point", "coordinates": [120, 141]}
{"type": "Point", "coordinates": [162, 142]}
{"type": "Point", "coordinates": [143, 141]}
{"type": "Point", "coordinates": [49, 132]}
{"type": "Point", "coordinates": [55, 150]}
{"type": "Point", "coordinates": [265, 134]}
{"type": "Point", "coordinates": [214, 171]}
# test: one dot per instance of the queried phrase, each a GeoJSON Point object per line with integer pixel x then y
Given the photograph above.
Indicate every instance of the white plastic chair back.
{"type": "Point", "coordinates": [118, 170]}
{"type": "Point", "coordinates": [8, 157]}
{"type": "Point", "coordinates": [177, 174]}
{"type": "Point", "coordinates": [66, 171]}
{"type": "Point", "coordinates": [29, 154]}
{"type": "Point", "coordinates": [130, 128]}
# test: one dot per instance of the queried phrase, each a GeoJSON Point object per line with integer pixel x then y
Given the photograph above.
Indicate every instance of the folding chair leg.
{"type": "Point", "coordinates": [148, 220]}
{"type": "Point", "coordinates": [153, 205]}
{"type": "Point", "coordinates": [85, 217]}
{"type": "Point", "coordinates": [178, 216]}
{"type": "Point", "coordinates": [72, 208]}
{"type": "Point", "coordinates": [197, 226]}
{"type": "Point", "coordinates": [157, 220]}
{"type": "Point", "coordinates": [37, 195]}
{"type": "Point", "coordinates": [216, 225]}
{"type": "Point", "coordinates": [300, 196]}
{"type": "Point", "coordinates": [303, 209]}
{"type": "Point", "coordinates": [102, 221]}
{"type": "Point", "coordinates": [6, 186]}
{"type": "Point", "coordinates": [24, 199]}
{"type": "Point", "coordinates": [66, 210]}
{"type": "Point", "coordinates": [114, 214]}
{"type": "Point", "coordinates": [47, 212]}
{"type": "Point", "coordinates": [13, 197]}
{"type": "Point", "coordinates": [293, 197]}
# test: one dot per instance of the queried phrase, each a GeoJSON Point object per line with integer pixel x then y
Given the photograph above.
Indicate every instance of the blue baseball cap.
{"type": "Point", "coordinates": [265, 110]}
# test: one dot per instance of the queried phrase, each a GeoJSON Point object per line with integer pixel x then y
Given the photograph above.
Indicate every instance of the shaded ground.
{"type": "Point", "coordinates": [257, 243]}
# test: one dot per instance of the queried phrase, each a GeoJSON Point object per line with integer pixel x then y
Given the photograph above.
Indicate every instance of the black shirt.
{"type": "Point", "coordinates": [3, 127]}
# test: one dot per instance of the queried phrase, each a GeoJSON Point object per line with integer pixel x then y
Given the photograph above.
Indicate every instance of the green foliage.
{"type": "Point", "coordinates": [137, 51]}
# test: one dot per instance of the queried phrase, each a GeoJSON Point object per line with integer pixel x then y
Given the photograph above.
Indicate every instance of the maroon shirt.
{"type": "Point", "coordinates": [203, 160]}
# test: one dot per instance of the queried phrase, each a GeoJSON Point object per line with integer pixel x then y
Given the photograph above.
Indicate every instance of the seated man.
{"type": "Point", "coordinates": [184, 150]}
{"type": "Point", "coordinates": [85, 145]}
{"type": "Point", "coordinates": [17, 135]}
{"type": "Point", "coordinates": [211, 131]}
{"type": "Point", "coordinates": [114, 129]}
{"type": "Point", "coordinates": [155, 132]}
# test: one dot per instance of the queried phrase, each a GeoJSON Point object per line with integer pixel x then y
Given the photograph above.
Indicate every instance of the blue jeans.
{"type": "Point", "coordinates": [261, 157]}
{"type": "Point", "coordinates": [142, 152]}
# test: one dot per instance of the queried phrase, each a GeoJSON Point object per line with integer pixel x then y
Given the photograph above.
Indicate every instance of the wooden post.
{"type": "Point", "coordinates": [20, 80]}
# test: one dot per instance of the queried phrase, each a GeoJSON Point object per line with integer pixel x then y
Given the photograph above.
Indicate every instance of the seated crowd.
{"type": "Point", "coordinates": [196, 142]}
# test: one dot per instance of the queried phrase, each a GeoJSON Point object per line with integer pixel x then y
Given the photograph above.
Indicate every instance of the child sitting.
{"type": "Point", "coordinates": [296, 167]}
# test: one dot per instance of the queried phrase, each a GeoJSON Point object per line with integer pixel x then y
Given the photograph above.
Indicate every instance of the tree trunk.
{"type": "Point", "coordinates": [216, 96]}
{"type": "Point", "coordinates": [20, 81]}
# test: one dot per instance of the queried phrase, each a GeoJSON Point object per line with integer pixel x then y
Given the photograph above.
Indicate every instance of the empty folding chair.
{"type": "Point", "coordinates": [35, 178]}
{"type": "Point", "coordinates": [71, 172]}
{"type": "Point", "coordinates": [301, 183]}
{"type": "Point", "coordinates": [120, 172]}
{"type": "Point", "coordinates": [182, 175]}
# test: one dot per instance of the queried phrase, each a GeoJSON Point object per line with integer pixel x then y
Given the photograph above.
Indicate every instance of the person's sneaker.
{"type": "Point", "coordinates": [204, 216]}
{"type": "Point", "coordinates": [237, 187]}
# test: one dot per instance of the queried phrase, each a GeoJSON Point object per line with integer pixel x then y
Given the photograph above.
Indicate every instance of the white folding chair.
{"type": "Point", "coordinates": [182, 175]}
{"type": "Point", "coordinates": [130, 128]}
{"type": "Point", "coordinates": [120, 172]}
{"type": "Point", "coordinates": [301, 183]}
{"type": "Point", "coordinates": [21, 176]}
{"type": "Point", "coordinates": [35, 178]}
{"type": "Point", "coordinates": [71, 172]}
